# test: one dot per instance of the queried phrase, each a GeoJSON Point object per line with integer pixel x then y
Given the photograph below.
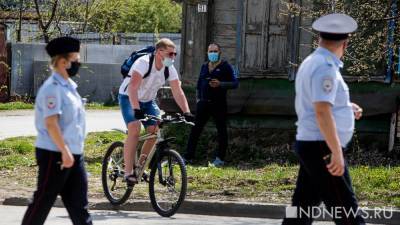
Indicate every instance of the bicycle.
{"type": "Point", "coordinates": [167, 170]}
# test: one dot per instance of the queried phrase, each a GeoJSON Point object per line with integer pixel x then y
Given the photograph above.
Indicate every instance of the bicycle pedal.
{"type": "Point", "coordinates": [130, 184]}
{"type": "Point", "coordinates": [145, 177]}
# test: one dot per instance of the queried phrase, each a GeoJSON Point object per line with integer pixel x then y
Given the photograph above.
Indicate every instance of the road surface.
{"type": "Point", "coordinates": [21, 122]}
{"type": "Point", "coordinates": [12, 215]}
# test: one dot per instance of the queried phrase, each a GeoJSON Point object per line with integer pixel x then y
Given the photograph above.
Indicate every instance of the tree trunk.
{"type": "Point", "coordinates": [42, 26]}
{"type": "Point", "coordinates": [21, 5]}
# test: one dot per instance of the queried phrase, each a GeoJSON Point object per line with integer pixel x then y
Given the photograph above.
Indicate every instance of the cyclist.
{"type": "Point", "coordinates": [137, 97]}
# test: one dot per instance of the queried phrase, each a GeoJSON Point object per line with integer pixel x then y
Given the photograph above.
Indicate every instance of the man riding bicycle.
{"type": "Point", "coordinates": [137, 96]}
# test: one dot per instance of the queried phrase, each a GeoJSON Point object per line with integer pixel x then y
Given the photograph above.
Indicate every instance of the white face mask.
{"type": "Point", "coordinates": [168, 62]}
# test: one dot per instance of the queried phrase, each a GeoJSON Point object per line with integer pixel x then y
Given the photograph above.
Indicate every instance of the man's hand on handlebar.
{"type": "Point", "coordinates": [175, 118]}
{"type": "Point", "coordinates": [189, 117]}
{"type": "Point", "coordinates": [139, 114]}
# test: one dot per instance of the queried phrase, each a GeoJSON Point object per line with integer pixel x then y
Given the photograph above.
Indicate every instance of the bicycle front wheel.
{"type": "Point", "coordinates": [115, 188]}
{"type": "Point", "coordinates": [168, 183]}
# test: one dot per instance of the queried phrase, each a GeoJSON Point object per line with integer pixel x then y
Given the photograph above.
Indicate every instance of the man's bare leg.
{"type": "Point", "coordinates": [130, 145]}
{"type": "Point", "coordinates": [147, 145]}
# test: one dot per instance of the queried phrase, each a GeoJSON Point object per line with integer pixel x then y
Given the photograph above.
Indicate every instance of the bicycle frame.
{"type": "Point", "coordinates": [158, 136]}
{"type": "Point", "coordinates": [144, 138]}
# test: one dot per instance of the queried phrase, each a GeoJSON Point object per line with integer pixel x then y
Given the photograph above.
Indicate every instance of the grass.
{"type": "Point", "coordinates": [15, 106]}
{"type": "Point", "coordinates": [262, 182]}
{"type": "Point", "coordinates": [27, 106]}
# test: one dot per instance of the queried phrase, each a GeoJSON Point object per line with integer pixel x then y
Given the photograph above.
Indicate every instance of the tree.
{"type": "Point", "coordinates": [367, 52]}
{"type": "Point", "coordinates": [132, 16]}
{"type": "Point", "coordinates": [105, 15]}
{"type": "Point", "coordinates": [45, 19]}
{"type": "Point", "coordinates": [150, 16]}
{"type": "Point", "coordinates": [101, 16]}
{"type": "Point", "coordinates": [77, 13]}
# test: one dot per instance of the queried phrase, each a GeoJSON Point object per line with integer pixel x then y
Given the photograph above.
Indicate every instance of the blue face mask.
{"type": "Point", "coordinates": [213, 56]}
{"type": "Point", "coordinates": [168, 62]}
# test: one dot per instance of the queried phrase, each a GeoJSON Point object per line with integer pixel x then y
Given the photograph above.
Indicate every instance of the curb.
{"type": "Point", "coordinates": [211, 208]}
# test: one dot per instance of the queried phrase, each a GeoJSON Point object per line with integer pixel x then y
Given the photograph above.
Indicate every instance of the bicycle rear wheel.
{"type": "Point", "coordinates": [168, 183]}
{"type": "Point", "coordinates": [112, 175]}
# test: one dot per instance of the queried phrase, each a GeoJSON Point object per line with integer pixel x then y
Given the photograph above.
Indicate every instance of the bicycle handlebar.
{"type": "Point", "coordinates": [176, 118]}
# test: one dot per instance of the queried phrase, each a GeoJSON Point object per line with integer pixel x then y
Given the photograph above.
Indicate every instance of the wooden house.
{"type": "Point", "coordinates": [266, 45]}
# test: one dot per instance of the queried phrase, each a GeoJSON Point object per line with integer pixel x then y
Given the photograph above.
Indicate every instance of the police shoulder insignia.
{"type": "Point", "coordinates": [51, 102]}
{"type": "Point", "coordinates": [329, 60]}
{"type": "Point", "coordinates": [327, 84]}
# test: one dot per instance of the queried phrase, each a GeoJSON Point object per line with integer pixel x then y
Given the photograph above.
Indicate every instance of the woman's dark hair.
{"type": "Point", "coordinates": [218, 46]}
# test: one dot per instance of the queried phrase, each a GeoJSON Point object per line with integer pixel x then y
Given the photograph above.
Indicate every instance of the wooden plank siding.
{"type": "Point", "coordinates": [264, 36]}
{"type": "Point", "coordinates": [267, 46]}
{"type": "Point", "coordinates": [4, 68]}
{"type": "Point", "coordinates": [306, 34]}
{"type": "Point", "coordinates": [194, 39]}
{"type": "Point", "coordinates": [224, 29]}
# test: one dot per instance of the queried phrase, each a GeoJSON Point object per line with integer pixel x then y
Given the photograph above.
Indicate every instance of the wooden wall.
{"type": "Point", "coordinates": [194, 39]}
{"type": "Point", "coordinates": [256, 36]}
{"type": "Point", "coordinates": [4, 68]}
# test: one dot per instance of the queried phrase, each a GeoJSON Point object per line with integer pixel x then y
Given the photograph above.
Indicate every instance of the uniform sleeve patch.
{"type": "Point", "coordinates": [327, 84]}
{"type": "Point", "coordinates": [51, 102]}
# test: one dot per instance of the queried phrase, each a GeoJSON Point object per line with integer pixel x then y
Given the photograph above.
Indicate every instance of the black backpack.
{"type": "Point", "coordinates": [149, 50]}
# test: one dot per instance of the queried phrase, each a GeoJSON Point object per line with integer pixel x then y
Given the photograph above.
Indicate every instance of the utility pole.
{"type": "Point", "coordinates": [21, 5]}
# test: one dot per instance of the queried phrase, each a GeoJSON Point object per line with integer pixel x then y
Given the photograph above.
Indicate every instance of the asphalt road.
{"type": "Point", "coordinates": [21, 123]}
{"type": "Point", "coordinates": [12, 215]}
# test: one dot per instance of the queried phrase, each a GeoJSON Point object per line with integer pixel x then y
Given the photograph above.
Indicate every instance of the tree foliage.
{"type": "Point", "coordinates": [130, 16]}
{"type": "Point", "coordinates": [368, 51]}
{"type": "Point", "coordinates": [101, 16]}
{"type": "Point", "coordinates": [150, 16]}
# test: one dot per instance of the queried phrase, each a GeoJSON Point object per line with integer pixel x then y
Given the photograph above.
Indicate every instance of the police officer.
{"type": "Point", "coordinates": [60, 122]}
{"type": "Point", "coordinates": [216, 77]}
{"type": "Point", "coordinates": [325, 126]}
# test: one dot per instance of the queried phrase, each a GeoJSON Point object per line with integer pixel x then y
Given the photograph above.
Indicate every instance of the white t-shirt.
{"type": "Point", "coordinates": [152, 83]}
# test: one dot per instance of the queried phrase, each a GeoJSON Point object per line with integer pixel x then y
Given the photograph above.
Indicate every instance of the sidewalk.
{"type": "Point", "coordinates": [22, 123]}
{"type": "Point", "coordinates": [211, 208]}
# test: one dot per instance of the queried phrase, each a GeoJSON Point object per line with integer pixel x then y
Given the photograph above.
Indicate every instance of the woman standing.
{"type": "Point", "coordinates": [60, 122]}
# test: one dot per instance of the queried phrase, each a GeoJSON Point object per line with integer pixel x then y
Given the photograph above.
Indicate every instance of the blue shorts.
{"type": "Point", "coordinates": [149, 108]}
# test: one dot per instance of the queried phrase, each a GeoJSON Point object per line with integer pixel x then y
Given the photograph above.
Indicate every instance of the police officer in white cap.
{"type": "Point", "coordinates": [60, 122]}
{"type": "Point", "coordinates": [325, 126]}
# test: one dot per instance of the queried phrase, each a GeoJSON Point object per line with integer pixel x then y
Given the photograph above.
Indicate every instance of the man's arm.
{"type": "Point", "coordinates": [326, 123]}
{"type": "Point", "coordinates": [198, 88]}
{"type": "Point", "coordinates": [357, 110]}
{"type": "Point", "coordinates": [233, 83]}
{"type": "Point", "coordinates": [179, 95]}
{"type": "Point", "coordinates": [133, 89]}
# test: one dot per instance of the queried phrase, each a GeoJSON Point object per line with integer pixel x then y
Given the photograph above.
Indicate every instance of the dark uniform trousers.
{"type": "Point", "coordinates": [316, 184]}
{"type": "Point", "coordinates": [70, 183]}
{"type": "Point", "coordinates": [205, 110]}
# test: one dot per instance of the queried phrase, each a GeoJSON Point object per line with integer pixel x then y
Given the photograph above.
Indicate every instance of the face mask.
{"type": "Point", "coordinates": [213, 56]}
{"type": "Point", "coordinates": [168, 62]}
{"type": "Point", "coordinates": [73, 70]}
